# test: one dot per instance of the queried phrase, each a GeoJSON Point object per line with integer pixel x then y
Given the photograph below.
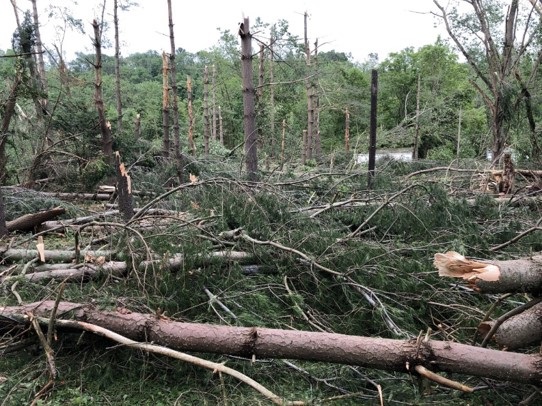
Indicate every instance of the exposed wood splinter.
{"type": "Point", "coordinates": [455, 265]}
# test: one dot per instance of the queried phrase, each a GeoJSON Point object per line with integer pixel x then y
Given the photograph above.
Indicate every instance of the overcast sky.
{"type": "Point", "coordinates": [357, 27]}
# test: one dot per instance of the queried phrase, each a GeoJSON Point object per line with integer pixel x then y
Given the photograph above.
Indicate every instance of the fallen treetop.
{"type": "Point", "coordinates": [378, 353]}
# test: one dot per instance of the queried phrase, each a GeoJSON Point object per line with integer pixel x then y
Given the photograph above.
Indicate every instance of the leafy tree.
{"type": "Point", "coordinates": [494, 37]}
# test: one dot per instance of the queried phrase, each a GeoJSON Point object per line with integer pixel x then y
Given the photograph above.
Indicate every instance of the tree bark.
{"type": "Point", "coordinates": [377, 353]}
{"type": "Point", "coordinates": [249, 107]}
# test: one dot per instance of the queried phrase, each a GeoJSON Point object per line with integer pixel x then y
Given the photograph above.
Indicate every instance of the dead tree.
{"type": "Point", "coordinates": [105, 126]}
{"type": "Point", "coordinates": [347, 130]}
{"type": "Point", "coordinates": [206, 119]}
{"type": "Point", "coordinates": [213, 103]}
{"type": "Point", "coordinates": [118, 95]}
{"type": "Point", "coordinates": [3, 225]}
{"type": "Point", "coordinates": [309, 83]}
{"type": "Point", "coordinates": [249, 108]}
{"type": "Point", "coordinates": [190, 115]}
{"type": "Point", "coordinates": [165, 105]}
{"type": "Point", "coordinates": [272, 91]}
{"type": "Point", "coordinates": [175, 96]}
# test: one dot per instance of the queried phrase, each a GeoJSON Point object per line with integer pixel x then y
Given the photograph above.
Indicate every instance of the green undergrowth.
{"type": "Point", "coordinates": [296, 248]}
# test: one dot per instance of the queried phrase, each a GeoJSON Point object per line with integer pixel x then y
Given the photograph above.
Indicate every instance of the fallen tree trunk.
{"type": "Point", "coordinates": [96, 266]}
{"type": "Point", "coordinates": [21, 254]}
{"type": "Point", "coordinates": [71, 272]}
{"type": "Point", "coordinates": [517, 275]}
{"type": "Point", "coordinates": [378, 353]}
{"type": "Point", "coordinates": [29, 221]}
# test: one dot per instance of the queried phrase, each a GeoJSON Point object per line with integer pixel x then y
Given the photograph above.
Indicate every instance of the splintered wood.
{"type": "Point", "coordinates": [455, 265]}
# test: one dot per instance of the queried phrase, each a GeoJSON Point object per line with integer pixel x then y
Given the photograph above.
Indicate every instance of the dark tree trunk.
{"type": "Point", "coordinates": [372, 129]}
{"type": "Point", "coordinates": [249, 110]}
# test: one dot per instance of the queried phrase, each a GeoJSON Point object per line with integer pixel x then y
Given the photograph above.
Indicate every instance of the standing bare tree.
{"type": "Point", "coordinates": [174, 94]}
{"type": "Point", "coordinates": [190, 115]}
{"type": "Point", "coordinates": [310, 90]}
{"type": "Point", "coordinates": [105, 126]}
{"type": "Point", "coordinates": [503, 46]}
{"type": "Point", "coordinates": [206, 119]}
{"type": "Point", "coordinates": [118, 95]}
{"type": "Point", "coordinates": [249, 108]}
{"type": "Point", "coordinates": [272, 90]}
{"type": "Point", "coordinates": [42, 79]}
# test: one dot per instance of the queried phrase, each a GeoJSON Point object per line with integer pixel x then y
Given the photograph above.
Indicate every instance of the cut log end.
{"type": "Point", "coordinates": [455, 265]}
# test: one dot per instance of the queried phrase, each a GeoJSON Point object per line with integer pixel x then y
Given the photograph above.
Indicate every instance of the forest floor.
{"type": "Point", "coordinates": [295, 223]}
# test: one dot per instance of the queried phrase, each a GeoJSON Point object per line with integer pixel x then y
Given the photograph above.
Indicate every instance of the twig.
{"type": "Point", "coordinates": [442, 380]}
{"type": "Point", "coordinates": [519, 236]}
{"type": "Point", "coordinates": [246, 237]}
{"type": "Point", "coordinates": [214, 299]}
{"type": "Point", "coordinates": [15, 293]}
{"type": "Point", "coordinates": [51, 326]}
{"type": "Point", "coordinates": [374, 213]}
{"type": "Point", "coordinates": [49, 353]}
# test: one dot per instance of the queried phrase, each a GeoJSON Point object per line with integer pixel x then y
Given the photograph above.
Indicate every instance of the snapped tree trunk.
{"type": "Point", "coordinates": [378, 353]}
{"type": "Point", "coordinates": [124, 189]}
{"type": "Point", "coordinates": [249, 108]}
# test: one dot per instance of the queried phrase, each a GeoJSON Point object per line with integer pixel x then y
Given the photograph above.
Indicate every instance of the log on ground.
{"type": "Point", "coordinates": [378, 353]}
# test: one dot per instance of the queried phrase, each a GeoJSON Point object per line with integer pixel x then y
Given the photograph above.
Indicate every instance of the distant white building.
{"type": "Point", "coordinates": [399, 154]}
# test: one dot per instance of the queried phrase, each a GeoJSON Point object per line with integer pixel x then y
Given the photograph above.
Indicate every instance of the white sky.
{"type": "Point", "coordinates": [356, 26]}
